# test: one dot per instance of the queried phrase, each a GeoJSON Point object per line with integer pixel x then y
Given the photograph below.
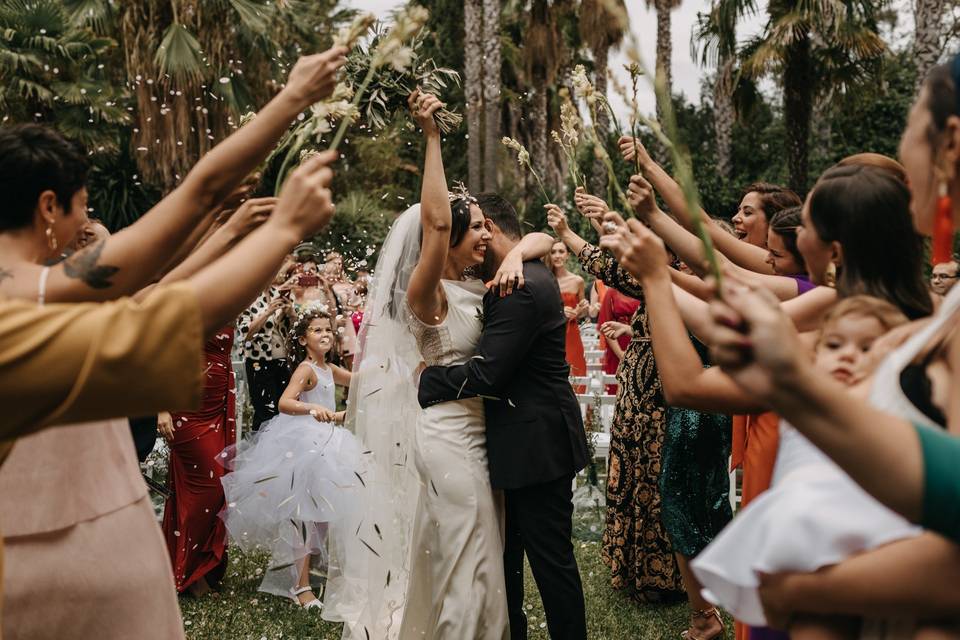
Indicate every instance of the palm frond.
{"type": "Point", "coordinates": [254, 14]}
{"type": "Point", "coordinates": [96, 14]}
{"type": "Point", "coordinates": [179, 54]}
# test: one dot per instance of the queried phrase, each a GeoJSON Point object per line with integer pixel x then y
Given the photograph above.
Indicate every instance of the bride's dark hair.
{"type": "Point", "coordinates": [459, 220]}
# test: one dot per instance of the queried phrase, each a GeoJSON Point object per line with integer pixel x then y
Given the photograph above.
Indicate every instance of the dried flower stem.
{"type": "Point", "coordinates": [681, 159]}
{"type": "Point", "coordinates": [342, 129]}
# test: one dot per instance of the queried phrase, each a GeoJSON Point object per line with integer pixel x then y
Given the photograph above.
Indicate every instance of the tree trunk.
{"type": "Point", "coordinates": [598, 176]}
{"type": "Point", "coordinates": [724, 117]}
{"type": "Point", "coordinates": [538, 135]}
{"type": "Point", "coordinates": [797, 111]}
{"type": "Point", "coordinates": [472, 89]}
{"type": "Point", "coordinates": [926, 39]}
{"type": "Point", "coordinates": [491, 93]}
{"type": "Point", "coordinates": [664, 63]}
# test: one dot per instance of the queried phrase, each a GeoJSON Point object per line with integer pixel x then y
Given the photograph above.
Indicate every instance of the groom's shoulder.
{"type": "Point", "coordinates": [536, 271]}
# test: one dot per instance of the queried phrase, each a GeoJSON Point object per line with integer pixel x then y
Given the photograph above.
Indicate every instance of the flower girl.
{"type": "Point", "coordinates": [298, 476]}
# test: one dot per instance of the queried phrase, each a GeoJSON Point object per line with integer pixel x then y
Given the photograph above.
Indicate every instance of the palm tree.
{"type": "Point", "coordinates": [492, 70]}
{"type": "Point", "coordinates": [197, 66]}
{"type": "Point", "coordinates": [928, 15]}
{"type": "Point", "coordinates": [473, 79]}
{"type": "Point", "coordinates": [715, 37]}
{"type": "Point", "coordinates": [600, 31]}
{"type": "Point", "coordinates": [664, 63]}
{"type": "Point", "coordinates": [542, 51]}
{"type": "Point", "coordinates": [814, 47]}
{"type": "Point", "coordinates": [51, 70]}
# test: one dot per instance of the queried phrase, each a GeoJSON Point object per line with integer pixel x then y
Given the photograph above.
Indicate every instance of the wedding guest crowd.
{"type": "Point", "coordinates": [816, 357]}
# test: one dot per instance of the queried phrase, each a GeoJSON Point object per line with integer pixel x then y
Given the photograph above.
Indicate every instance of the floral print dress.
{"type": "Point", "coordinates": [635, 544]}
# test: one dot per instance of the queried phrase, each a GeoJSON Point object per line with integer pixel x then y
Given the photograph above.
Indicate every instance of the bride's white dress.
{"type": "Point", "coordinates": [456, 588]}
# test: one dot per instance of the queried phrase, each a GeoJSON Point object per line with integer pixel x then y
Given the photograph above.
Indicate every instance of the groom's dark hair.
{"type": "Point", "coordinates": [501, 213]}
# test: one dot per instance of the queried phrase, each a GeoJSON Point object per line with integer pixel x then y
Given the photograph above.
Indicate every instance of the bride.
{"type": "Point", "coordinates": [426, 562]}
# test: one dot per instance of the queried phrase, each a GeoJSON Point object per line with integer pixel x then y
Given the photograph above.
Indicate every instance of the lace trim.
{"type": "Point", "coordinates": [433, 341]}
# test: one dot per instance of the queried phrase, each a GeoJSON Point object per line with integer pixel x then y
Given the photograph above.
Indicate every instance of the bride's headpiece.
{"type": "Point", "coordinates": [459, 192]}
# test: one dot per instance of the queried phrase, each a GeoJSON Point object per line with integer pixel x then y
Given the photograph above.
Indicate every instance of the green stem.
{"type": "Point", "coordinates": [294, 149]}
{"type": "Point", "coordinates": [342, 129]}
{"type": "Point", "coordinates": [546, 198]}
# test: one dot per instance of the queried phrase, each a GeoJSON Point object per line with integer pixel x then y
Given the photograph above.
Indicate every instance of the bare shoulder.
{"type": "Point", "coordinates": [305, 376]}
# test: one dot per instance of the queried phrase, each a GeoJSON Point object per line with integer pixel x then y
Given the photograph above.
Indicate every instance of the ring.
{"type": "Point", "coordinates": [610, 227]}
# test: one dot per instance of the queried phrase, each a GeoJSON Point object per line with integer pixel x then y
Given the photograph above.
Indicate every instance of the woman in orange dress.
{"type": "Point", "coordinates": [575, 306]}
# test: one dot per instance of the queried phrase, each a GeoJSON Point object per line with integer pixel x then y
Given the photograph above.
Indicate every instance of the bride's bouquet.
{"type": "Point", "coordinates": [383, 68]}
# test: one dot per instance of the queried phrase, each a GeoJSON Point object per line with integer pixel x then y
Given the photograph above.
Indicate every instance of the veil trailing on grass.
{"type": "Point", "coordinates": [370, 565]}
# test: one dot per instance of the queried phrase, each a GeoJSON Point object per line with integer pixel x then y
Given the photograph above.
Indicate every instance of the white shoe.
{"type": "Point", "coordinates": [313, 604]}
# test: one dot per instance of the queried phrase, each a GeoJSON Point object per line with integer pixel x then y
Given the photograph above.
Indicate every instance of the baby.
{"type": "Point", "coordinates": [813, 515]}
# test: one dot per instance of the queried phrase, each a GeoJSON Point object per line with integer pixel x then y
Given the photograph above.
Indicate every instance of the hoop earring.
{"type": "Point", "coordinates": [830, 277]}
{"type": "Point", "coordinates": [52, 238]}
{"type": "Point", "coordinates": [943, 228]}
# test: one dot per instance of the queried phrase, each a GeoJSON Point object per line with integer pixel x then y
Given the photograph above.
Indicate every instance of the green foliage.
{"type": "Point", "coordinates": [118, 196]}
{"type": "Point", "coordinates": [52, 70]}
{"type": "Point", "coordinates": [357, 231]}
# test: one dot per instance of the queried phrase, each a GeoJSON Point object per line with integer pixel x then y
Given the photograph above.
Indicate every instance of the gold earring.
{"type": "Point", "coordinates": [830, 277]}
{"type": "Point", "coordinates": [51, 238]}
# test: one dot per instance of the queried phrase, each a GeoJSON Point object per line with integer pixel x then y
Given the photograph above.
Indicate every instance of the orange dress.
{"type": "Point", "coordinates": [575, 358]}
{"type": "Point", "coordinates": [755, 442]}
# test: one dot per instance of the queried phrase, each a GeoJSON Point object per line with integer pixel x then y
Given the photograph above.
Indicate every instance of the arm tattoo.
{"type": "Point", "coordinates": [5, 274]}
{"type": "Point", "coordinates": [83, 266]}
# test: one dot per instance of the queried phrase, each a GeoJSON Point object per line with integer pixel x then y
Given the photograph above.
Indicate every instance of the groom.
{"type": "Point", "coordinates": [535, 437]}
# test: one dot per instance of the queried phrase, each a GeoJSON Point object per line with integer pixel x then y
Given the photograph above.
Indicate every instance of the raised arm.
{"type": "Point", "coordinates": [510, 274]}
{"type": "Point", "coordinates": [689, 248]}
{"type": "Point", "coordinates": [248, 217]}
{"type": "Point", "coordinates": [129, 260]}
{"type": "Point", "coordinates": [741, 253]}
{"type": "Point", "coordinates": [684, 381]}
{"type": "Point", "coordinates": [424, 293]}
{"type": "Point", "coordinates": [596, 262]}
{"type": "Point", "coordinates": [303, 209]}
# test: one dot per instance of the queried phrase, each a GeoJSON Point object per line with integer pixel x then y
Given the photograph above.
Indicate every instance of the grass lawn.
{"type": "Point", "coordinates": [239, 612]}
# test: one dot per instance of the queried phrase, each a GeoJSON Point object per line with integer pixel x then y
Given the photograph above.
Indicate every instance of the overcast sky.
{"type": "Point", "coordinates": [687, 74]}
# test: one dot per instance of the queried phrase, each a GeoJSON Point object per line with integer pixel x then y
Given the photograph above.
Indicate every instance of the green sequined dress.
{"type": "Point", "coordinates": [694, 481]}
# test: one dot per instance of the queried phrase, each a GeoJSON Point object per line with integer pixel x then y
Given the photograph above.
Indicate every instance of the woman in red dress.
{"type": "Point", "coordinates": [575, 306]}
{"type": "Point", "coordinates": [616, 309]}
{"type": "Point", "coordinates": [196, 537]}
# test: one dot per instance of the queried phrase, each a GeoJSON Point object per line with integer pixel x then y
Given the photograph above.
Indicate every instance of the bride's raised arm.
{"type": "Point", "coordinates": [424, 294]}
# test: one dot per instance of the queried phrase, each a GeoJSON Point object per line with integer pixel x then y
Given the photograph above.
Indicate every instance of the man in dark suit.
{"type": "Point", "coordinates": [536, 442]}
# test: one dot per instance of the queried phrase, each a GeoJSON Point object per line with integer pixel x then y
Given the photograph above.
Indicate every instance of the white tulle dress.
{"type": "Point", "coordinates": [293, 484]}
{"type": "Point", "coordinates": [814, 515]}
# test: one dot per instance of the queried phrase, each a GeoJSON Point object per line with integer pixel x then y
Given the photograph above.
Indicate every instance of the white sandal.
{"type": "Point", "coordinates": [313, 604]}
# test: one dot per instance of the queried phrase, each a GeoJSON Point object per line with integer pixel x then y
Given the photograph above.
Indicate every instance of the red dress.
{"type": "Point", "coordinates": [575, 358]}
{"type": "Point", "coordinates": [196, 537]}
{"type": "Point", "coordinates": [616, 307]}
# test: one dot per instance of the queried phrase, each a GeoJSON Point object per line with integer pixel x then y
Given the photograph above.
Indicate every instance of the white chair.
{"type": "Point", "coordinates": [607, 404]}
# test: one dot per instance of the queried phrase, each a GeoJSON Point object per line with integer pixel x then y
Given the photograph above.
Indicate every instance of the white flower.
{"type": "Point", "coordinates": [523, 156]}
{"type": "Point", "coordinates": [348, 36]}
{"type": "Point", "coordinates": [401, 59]}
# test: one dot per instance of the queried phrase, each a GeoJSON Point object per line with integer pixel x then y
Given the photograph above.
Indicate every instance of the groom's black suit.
{"type": "Point", "coordinates": [535, 441]}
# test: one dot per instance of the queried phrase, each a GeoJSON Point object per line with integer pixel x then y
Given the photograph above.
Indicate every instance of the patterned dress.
{"type": "Point", "coordinates": [635, 543]}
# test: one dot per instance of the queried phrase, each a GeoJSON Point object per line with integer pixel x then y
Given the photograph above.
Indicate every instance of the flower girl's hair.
{"type": "Point", "coordinates": [297, 351]}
